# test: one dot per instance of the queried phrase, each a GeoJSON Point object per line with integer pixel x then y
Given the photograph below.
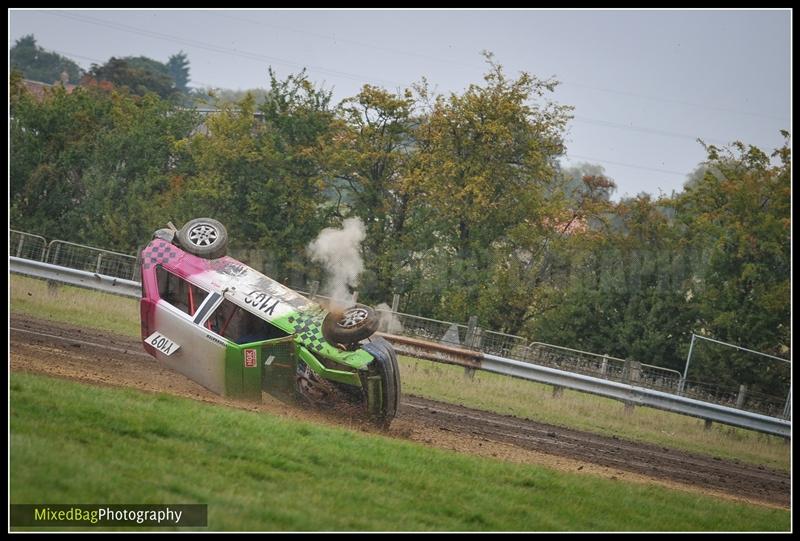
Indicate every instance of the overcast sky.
{"type": "Point", "coordinates": [644, 84]}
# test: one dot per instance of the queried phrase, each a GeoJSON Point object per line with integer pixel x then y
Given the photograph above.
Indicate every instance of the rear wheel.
{"type": "Point", "coordinates": [204, 237]}
{"type": "Point", "coordinates": [381, 382]}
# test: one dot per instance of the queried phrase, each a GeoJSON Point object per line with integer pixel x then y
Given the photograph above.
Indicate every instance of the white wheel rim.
{"type": "Point", "coordinates": [203, 235]}
{"type": "Point", "coordinates": [353, 317]}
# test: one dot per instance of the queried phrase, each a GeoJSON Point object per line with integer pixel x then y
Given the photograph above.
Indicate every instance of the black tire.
{"type": "Point", "coordinates": [204, 237]}
{"type": "Point", "coordinates": [381, 382]}
{"type": "Point", "coordinates": [351, 325]}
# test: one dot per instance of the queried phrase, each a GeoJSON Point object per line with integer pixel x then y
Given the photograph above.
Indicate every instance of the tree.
{"type": "Point", "coordinates": [736, 217]}
{"type": "Point", "coordinates": [38, 64]}
{"type": "Point", "coordinates": [139, 75]}
{"type": "Point", "coordinates": [91, 166]}
{"type": "Point", "coordinates": [259, 170]}
{"type": "Point", "coordinates": [178, 67]}
{"type": "Point", "coordinates": [368, 156]}
{"type": "Point", "coordinates": [484, 161]}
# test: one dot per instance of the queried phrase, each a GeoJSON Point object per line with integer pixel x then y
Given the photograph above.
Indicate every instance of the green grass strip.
{"type": "Point", "coordinates": [73, 443]}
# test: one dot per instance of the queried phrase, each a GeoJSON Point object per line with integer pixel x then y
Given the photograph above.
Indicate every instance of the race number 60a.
{"type": "Point", "coordinates": [162, 343]}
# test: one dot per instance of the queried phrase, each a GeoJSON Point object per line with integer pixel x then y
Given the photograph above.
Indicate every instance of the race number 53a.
{"type": "Point", "coordinates": [162, 343]}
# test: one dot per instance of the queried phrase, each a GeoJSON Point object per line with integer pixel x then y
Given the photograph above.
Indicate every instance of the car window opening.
{"type": "Point", "coordinates": [240, 326]}
{"type": "Point", "coordinates": [178, 292]}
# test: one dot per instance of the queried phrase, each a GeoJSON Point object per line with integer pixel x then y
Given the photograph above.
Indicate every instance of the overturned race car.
{"type": "Point", "coordinates": [237, 332]}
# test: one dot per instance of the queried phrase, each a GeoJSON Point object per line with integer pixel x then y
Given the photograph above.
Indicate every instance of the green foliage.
{"type": "Point", "coordinates": [90, 166]}
{"type": "Point", "coordinates": [178, 68]}
{"type": "Point", "coordinates": [259, 170]}
{"type": "Point", "coordinates": [466, 209]}
{"type": "Point", "coordinates": [38, 64]}
{"type": "Point", "coordinates": [139, 75]}
{"type": "Point", "coordinates": [737, 216]}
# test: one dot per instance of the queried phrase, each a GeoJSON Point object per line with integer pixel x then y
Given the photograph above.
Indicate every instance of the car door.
{"type": "Point", "coordinates": [180, 341]}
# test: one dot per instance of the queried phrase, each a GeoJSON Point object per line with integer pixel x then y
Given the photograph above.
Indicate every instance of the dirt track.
{"type": "Point", "coordinates": [101, 358]}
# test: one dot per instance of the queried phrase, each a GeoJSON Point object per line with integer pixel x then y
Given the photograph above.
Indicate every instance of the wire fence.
{"type": "Point", "coordinates": [26, 245]}
{"type": "Point", "coordinates": [469, 336]}
{"type": "Point", "coordinates": [90, 259]}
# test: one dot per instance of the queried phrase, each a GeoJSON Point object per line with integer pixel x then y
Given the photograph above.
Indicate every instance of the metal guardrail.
{"type": "Point", "coordinates": [605, 365]}
{"type": "Point", "coordinates": [75, 277]}
{"type": "Point", "coordinates": [638, 395]}
{"type": "Point", "coordinates": [626, 392]}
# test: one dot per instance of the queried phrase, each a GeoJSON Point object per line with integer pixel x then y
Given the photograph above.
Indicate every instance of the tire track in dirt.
{"type": "Point", "coordinates": [98, 357]}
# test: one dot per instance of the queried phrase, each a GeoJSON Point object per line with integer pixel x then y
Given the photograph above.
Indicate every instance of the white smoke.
{"type": "Point", "coordinates": [339, 251]}
{"type": "Point", "coordinates": [388, 321]}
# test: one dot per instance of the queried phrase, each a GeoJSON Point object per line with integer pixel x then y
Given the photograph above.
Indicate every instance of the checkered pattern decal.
{"type": "Point", "coordinates": [158, 252]}
{"type": "Point", "coordinates": [309, 331]}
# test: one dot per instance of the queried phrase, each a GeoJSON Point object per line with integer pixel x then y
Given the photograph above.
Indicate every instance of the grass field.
{"type": "Point", "coordinates": [447, 383]}
{"type": "Point", "coordinates": [75, 443]}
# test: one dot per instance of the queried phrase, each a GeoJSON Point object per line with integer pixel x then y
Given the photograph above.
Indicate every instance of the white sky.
{"type": "Point", "coordinates": [644, 84]}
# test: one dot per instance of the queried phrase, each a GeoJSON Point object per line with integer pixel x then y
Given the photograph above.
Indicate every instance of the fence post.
{"type": "Point", "coordinates": [604, 366]}
{"type": "Point", "coordinates": [21, 242]}
{"type": "Point", "coordinates": [631, 374]}
{"type": "Point", "coordinates": [686, 369]}
{"type": "Point", "coordinates": [312, 289]}
{"type": "Point", "coordinates": [394, 327]}
{"type": "Point", "coordinates": [477, 338]}
{"type": "Point", "coordinates": [787, 409]}
{"type": "Point", "coordinates": [99, 259]}
{"type": "Point", "coordinates": [742, 395]}
{"type": "Point", "coordinates": [470, 337]}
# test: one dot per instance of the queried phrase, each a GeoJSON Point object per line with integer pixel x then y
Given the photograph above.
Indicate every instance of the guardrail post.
{"type": "Point", "coordinates": [558, 391]}
{"type": "Point", "coordinates": [52, 288]}
{"type": "Point", "coordinates": [707, 425]}
{"type": "Point", "coordinates": [742, 395]}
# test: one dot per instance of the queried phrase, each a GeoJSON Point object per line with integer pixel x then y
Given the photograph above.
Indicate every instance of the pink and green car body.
{"type": "Point", "coordinates": [193, 341]}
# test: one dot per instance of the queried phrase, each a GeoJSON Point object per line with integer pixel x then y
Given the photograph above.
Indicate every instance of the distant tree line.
{"type": "Point", "coordinates": [466, 208]}
{"type": "Point", "coordinates": [139, 75]}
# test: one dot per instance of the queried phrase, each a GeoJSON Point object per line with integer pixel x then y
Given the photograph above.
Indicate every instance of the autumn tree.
{"type": "Point", "coordinates": [368, 156]}
{"type": "Point", "coordinates": [484, 160]}
{"type": "Point", "coordinates": [736, 218]}
{"type": "Point", "coordinates": [258, 170]}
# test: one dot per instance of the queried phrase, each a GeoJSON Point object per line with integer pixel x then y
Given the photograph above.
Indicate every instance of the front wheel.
{"type": "Point", "coordinates": [352, 325]}
{"type": "Point", "coordinates": [381, 382]}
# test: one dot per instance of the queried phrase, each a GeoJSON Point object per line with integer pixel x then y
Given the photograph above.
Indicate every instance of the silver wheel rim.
{"type": "Point", "coordinates": [353, 317]}
{"type": "Point", "coordinates": [203, 235]}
